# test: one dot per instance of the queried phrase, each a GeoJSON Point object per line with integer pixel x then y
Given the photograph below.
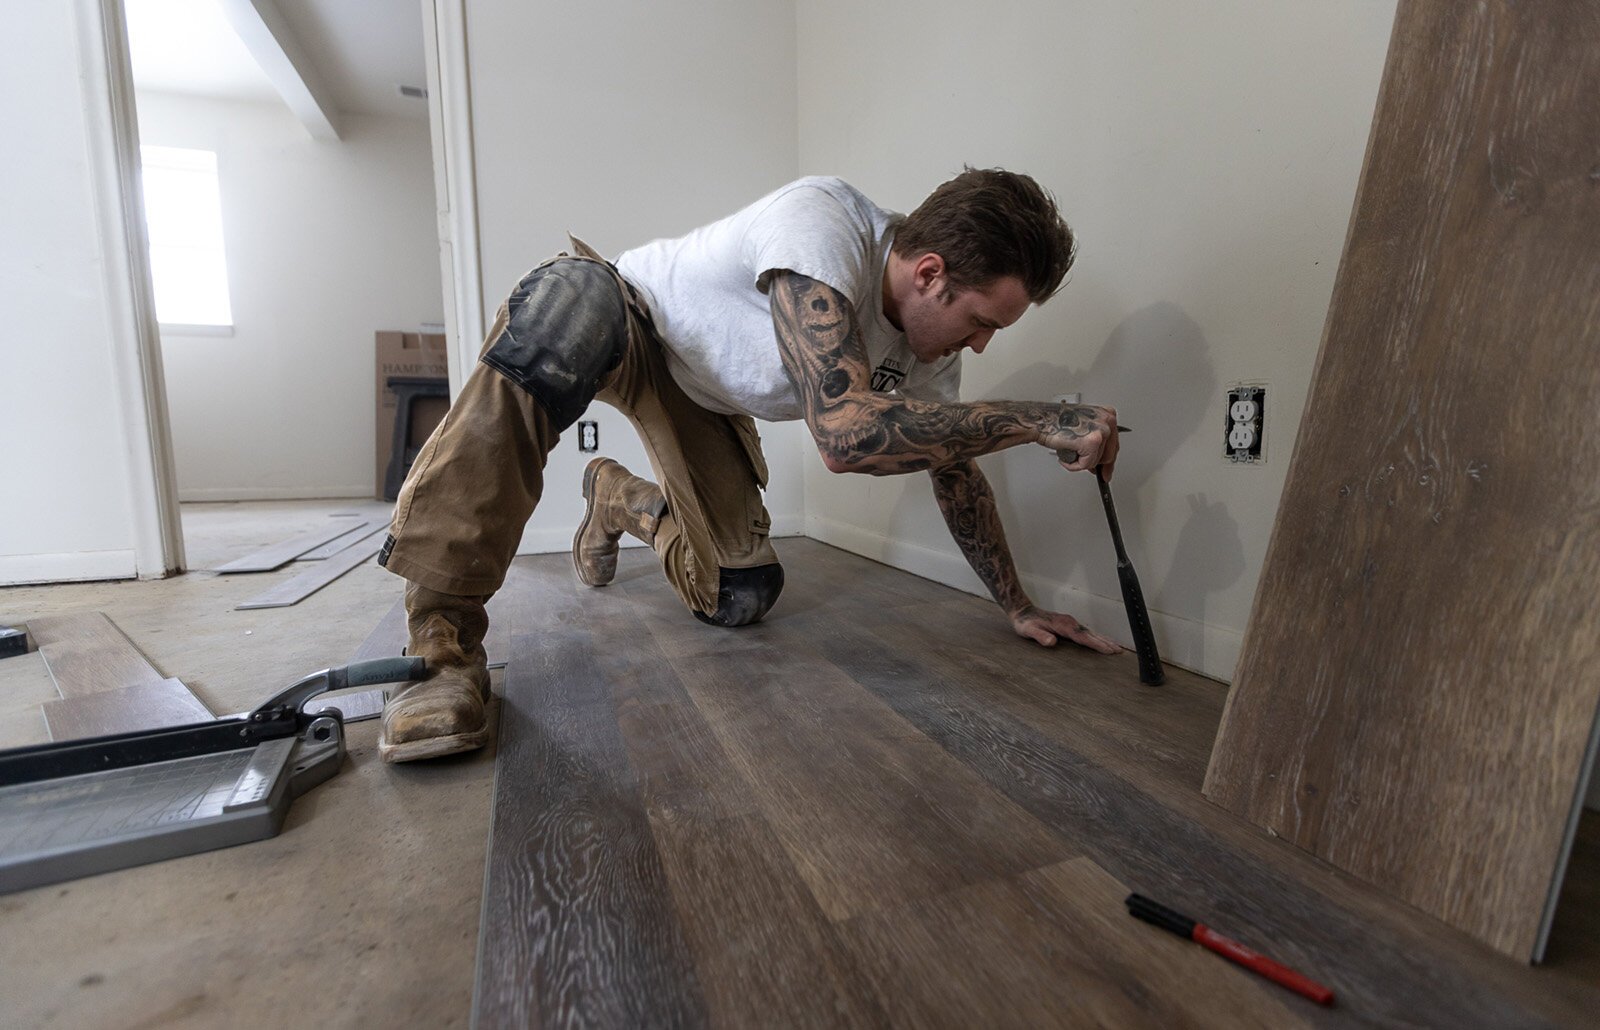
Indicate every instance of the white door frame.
{"type": "Point", "coordinates": [135, 335]}
{"type": "Point", "coordinates": [135, 343]}
{"type": "Point", "coordinates": [444, 27]}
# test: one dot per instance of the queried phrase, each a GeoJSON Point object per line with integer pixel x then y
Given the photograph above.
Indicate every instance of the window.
{"type": "Point", "coordinates": [183, 212]}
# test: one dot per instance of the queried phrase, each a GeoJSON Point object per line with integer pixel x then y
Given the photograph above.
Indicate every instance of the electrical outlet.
{"type": "Point", "coordinates": [1245, 424]}
{"type": "Point", "coordinates": [588, 436]}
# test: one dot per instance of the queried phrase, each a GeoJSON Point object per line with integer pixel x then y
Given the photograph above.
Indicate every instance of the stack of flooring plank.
{"type": "Point", "coordinates": [106, 684]}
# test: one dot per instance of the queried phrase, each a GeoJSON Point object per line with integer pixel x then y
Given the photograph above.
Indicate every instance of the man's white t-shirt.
{"type": "Point", "coordinates": [707, 292]}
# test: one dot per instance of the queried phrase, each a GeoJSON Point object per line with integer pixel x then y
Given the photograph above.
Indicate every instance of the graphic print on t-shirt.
{"type": "Point", "coordinates": [887, 376]}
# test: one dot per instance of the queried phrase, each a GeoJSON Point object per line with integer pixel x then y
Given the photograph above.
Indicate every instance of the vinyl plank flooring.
{"type": "Point", "coordinates": [901, 815]}
{"type": "Point", "coordinates": [1416, 690]}
{"type": "Point", "coordinates": [762, 946]}
{"type": "Point", "coordinates": [348, 538]}
{"type": "Point", "coordinates": [578, 926]}
{"type": "Point", "coordinates": [143, 706]}
{"type": "Point", "coordinates": [869, 809]}
{"type": "Point", "coordinates": [86, 653]}
{"type": "Point", "coordinates": [282, 553]}
{"type": "Point", "coordinates": [1156, 834]}
{"type": "Point", "coordinates": [1052, 947]}
{"type": "Point", "coordinates": [298, 588]}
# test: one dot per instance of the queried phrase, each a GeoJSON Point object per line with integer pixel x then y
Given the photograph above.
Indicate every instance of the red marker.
{"type": "Point", "coordinates": [1142, 907]}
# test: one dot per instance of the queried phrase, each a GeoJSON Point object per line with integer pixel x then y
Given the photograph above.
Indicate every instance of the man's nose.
{"type": "Point", "coordinates": [978, 341]}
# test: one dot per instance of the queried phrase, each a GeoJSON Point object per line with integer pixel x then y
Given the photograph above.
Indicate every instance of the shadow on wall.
{"type": "Point", "coordinates": [1156, 369]}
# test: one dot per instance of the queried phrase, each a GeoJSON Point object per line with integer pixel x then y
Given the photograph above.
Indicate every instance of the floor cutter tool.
{"type": "Point", "coordinates": [80, 807]}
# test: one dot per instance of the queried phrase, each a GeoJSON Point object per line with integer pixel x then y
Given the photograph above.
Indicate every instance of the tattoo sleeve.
{"type": "Point", "coordinates": [858, 430]}
{"type": "Point", "coordinates": [969, 510]}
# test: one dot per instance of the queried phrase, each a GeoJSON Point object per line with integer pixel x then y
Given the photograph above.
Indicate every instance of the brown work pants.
{"type": "Point", "coordinates": [475, 483]}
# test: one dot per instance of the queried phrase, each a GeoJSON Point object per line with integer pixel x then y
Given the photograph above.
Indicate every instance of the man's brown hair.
{"type": "Point", "coordinates": [987, 223]}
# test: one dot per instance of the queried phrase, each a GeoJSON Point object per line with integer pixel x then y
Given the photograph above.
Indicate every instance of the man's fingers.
{"type": "Point", "coordinates": [1090, 639]}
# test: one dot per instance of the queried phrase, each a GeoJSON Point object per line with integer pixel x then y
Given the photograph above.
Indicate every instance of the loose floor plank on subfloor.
{"type": "Point", "coordinates": [282, 553]}
{"type": "Point", "coordinates": [143, 706]}
{"type": "Point", "coordinates": [86, 653]}
{"type": "Point", "coordinates": [297, 589]}
{"type": "Point", "coordinates": [349, 538]}
{"type": "Point", "coordinates": [671, 829]}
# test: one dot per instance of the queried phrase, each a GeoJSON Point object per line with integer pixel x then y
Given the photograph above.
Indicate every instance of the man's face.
{"type": "Point", "coordinates": [940, 320]}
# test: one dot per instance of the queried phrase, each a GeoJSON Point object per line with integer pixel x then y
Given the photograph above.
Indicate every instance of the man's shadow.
{"type": "Point", "coordinates": [1155, 368]}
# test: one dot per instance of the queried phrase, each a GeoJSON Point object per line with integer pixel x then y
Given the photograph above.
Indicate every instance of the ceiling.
{"type": "Point", "coordinates": [361, 50]}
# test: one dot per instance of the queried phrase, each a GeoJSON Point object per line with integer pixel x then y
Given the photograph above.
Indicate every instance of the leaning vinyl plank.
{"type": "Point", "coordinates": [1416, 689]}
{"type": "Point", "coordinates": [280, 554]}
{"type": "Point", "coordinates": [143, 706]}
{"type": "Point", "coordinates": [578, 927]}
{"type": "Point", "coordinates": [293, 591]}
{"type": "Point", "coordinates": [86, 653]}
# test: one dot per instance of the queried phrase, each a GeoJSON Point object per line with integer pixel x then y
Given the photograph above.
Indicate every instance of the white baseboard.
{"type": "Point", "coordinates": [1199, 647]}
{"type": "Point", "coordinates": [274, 493]}
{"type": "Point", "coordinates": [78, 566]}
{"type": "Point", "coordinates": [558, 540]}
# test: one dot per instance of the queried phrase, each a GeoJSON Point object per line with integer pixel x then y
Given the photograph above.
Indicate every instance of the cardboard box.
{"type": "Point", "coordinates": [411, 355]}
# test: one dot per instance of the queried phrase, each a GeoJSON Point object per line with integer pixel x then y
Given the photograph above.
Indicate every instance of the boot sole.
{"type": "Point", "coordinates": [589, 475]}
{"type": "Point", "coordinates": [433, 747]}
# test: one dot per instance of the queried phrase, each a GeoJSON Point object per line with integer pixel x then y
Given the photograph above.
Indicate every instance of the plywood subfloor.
{"type": "Point", "coordinates": [881, 807]}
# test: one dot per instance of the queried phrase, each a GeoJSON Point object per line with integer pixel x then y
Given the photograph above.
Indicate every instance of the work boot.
{"type": "Point", "coordinates": [617, 502]}
{"type": "Point", "coordinates": [445, 712]}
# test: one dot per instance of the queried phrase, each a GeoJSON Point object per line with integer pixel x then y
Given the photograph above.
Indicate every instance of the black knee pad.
{"type": "Point", "coordinates": [745, 595]}
{"type": "Point", "coordinates": [567, 329]}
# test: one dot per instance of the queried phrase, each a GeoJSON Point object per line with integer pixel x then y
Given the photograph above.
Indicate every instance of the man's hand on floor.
{"type": "Point", "coordinates": [1047, 627]}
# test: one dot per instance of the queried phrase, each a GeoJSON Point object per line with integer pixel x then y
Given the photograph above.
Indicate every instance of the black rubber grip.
{"type": "Point", "coordinates": [1141, 907]}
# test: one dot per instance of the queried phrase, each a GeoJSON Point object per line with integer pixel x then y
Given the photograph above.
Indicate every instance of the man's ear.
{"type": "Point", "coordinates": [927, 275]}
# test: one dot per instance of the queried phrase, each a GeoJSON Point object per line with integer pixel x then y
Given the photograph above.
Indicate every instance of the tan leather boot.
{"type": "Point", "coordinates": [618, 502]}
{"type": "Point", "coordinates": [444, 713]}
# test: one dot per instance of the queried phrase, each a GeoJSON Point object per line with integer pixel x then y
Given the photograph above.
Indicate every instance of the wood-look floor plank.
{"type": "Point", "coordinates": [285, 551]}
{"type": "Point", "coordinates": [1416, 689]}
{"type": "Point", "coordinates": [86, 653]}
{"type": "Point", "coordinates": [348, 538]}
{"type": "Point", "coordinates": [298, 588]}
{"type": "Point", "coordinates": [763, 948]}
{"type": "Point", "coordinates": [869, 809]}
{"type": "Point", "coordinates": [143, 706]}
{"type": "Point", "coordinates": [578, 927]}
{"type": "Point", "coordinates": [1054, 947]}
{"type": "Point", "coordinates": [1157, 835]}
{"type": "Point", "coordinates": [730, 774]}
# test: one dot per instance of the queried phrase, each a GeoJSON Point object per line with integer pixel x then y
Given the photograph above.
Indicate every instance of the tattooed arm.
{"type": "Point", "coordinates": [969, 510]}
{"type": "Point", "coordinates": [858, 430]}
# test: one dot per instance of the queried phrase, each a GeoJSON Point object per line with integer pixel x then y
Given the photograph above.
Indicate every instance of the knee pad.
{"type": "Point", "coordinates": [745, 595]}
{"type": "Point", "coordinates": [567, 328]}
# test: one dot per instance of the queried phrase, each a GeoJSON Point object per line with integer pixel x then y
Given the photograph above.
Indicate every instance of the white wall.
{"type": "Point", "coordinates": [624, 121]}
{"type": "Point", "coordinates": [1207, 155]}
{"type": "Point", "coordinates": [65, 508]}
{"type": "Point", "coordinates": [327, 242]}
